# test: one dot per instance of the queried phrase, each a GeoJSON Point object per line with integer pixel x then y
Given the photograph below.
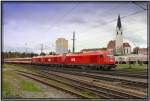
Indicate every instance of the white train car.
{"type": "Point", "coordinates": [131, 58]}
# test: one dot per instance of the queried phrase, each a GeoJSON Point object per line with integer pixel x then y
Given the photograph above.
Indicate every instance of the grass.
{"type": "Point", "coordinates": [87, 93]}
{"type": "Point", "coordinates": [132, 67]}
{"type": "Point", "coordinates": [29, 86]}
{"type": "Point", "coordinates": [13, 85]}
{"type": "Point", "coordinates": [9, 90]}
{"type": "Point", "coordinates": [6, 88]}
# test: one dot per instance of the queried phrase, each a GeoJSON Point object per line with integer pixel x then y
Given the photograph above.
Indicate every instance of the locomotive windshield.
{"type": "Point", "coordinates": [110, 56]}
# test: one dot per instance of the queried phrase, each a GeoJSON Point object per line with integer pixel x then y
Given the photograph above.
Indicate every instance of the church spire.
{"type": "Point", "coordinates": [119, 37]}
{"type": "Point", "coordinates": [119, 22]}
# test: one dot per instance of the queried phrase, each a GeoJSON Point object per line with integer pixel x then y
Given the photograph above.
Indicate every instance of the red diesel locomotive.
{"type": "Point", "coordinates": [96, 60]}
{"type": "Point", "coordinates": [103, 60]}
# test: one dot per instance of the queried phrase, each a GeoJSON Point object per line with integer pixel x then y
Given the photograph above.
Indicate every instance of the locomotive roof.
{"type": "Point", "coordinates": [76, 54]}
{"type": "Point", "coordinates": [47, 56]}
{"type": "Point", "coordinates": [88, 53]}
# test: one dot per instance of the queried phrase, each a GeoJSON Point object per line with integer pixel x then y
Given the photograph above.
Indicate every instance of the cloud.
{"type": "Point", "coordinates": [135, 38]}
{"type": "Point", "coordinates": [94, 24]}
{"type": "Point", "coordinates": [77, 21]}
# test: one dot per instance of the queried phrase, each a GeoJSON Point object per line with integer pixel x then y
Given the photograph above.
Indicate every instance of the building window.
{"type": "Point", "coordinates": [121, 33]}
{"type": "Point", "coordinates": [117, 33]}
{"type": "Point", "coordinates": [127, 50]}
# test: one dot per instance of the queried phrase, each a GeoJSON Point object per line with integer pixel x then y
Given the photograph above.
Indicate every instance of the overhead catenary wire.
{"type": "Point", "coordinates": [116, 19]}
{"type": "Point", "coordinates": [65, 14]}
{"type": "Point", "coordinates": [137, 12]}
{"type": "Point", "coordinates": [139, 5]}
{"type": "Point", "coordinates": [70, 11]}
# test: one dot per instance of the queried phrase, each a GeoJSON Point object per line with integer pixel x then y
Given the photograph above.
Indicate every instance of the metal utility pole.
{"type": "Point", "coordinates": [73, 48]}
{"type": "Point", "coordinates": [41, 48]}
{"type": "Point", "coordinates": [25, 47]}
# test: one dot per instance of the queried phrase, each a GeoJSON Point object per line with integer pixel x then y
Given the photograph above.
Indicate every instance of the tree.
{"type": "Point", "coordinates": [17, 54]}
{"type": "Point", "coordinates": [42, 54]}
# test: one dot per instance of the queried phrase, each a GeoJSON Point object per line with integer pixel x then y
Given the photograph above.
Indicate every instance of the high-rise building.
{"type": "Point", "coordinates": [61, 46]}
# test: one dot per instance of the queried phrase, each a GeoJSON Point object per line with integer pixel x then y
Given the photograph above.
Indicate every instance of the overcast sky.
{"type": "Point", "coordinates": [28, 25]}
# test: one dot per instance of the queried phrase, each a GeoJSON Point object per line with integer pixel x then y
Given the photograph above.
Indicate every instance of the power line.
{"type": "Point", "coordinates": [139, 5]}
{"type": "Point", "coordinates": [66, 14]}
{"type": "Point", "coordinates": [121, 17]}
{"type": "Point", "coordinates": [69, 12]}
{"type": "Point", "coordinates": [42, 48]}
{"type": "Point", "coordinates": [116, 19]}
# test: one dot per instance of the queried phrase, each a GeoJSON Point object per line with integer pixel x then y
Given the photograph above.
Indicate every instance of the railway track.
{"type": "Point", "coordinates": [93, 82]}
{"type": "Point", "coordinates": [44, 80]}
{"type": "Point", "coordinates": [101, 84]}
{"type": "Point", "coordinates": [132, 81]}
{"type": "Point", "coordinates": [137, 74]}
{"type": "Point", "coordinates": [76, 86]}
{"type": "Point", "coordinates": [129, 82]}
{"type": "Point", "coordinates": [104, 89]}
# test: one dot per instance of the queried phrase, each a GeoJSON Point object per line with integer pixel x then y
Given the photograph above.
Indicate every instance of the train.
{"type": "Point", "coordinates": [99, 60]}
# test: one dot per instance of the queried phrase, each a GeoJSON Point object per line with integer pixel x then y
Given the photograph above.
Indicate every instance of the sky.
{"type": "Point", "coordinates": [27, 25]}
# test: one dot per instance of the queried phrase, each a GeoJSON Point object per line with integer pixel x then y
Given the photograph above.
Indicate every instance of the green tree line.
{"type": "Point", "coordinates": [17, 54]}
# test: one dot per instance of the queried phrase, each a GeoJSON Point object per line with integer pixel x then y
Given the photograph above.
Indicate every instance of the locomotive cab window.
{"type": "Point", "coordinates": [101, 56]}
{"type": "Point", "coordinates": [110, 56]}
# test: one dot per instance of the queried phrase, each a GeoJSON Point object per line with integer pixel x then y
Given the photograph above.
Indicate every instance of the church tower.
{"type": "Point", "coordinates": [119, 37]}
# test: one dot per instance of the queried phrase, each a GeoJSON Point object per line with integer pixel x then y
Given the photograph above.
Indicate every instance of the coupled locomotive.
{"type": "Point", "coordinates": [103, 60]}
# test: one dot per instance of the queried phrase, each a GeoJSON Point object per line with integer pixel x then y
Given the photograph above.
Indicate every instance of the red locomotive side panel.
{"type": "Point", "coordinates": [47, 60]}
{"type": "Point", "coordinates": [36, 60]}
{"type": "Point", "coordinates": [77, 59]}
{"type": "Point", "coordinates": [100, 57]}
{"type": "Point", "coordinates": [50, 59]}
{"type": "Point", "coordinates": [109, 58]}
{"type": "Point", "coordinates": [57, 59]}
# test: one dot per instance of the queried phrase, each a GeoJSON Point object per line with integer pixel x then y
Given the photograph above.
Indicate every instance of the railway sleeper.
{"type": "Point", "coordinates": [103, 91]}
{"type": "Point", "coordinates": [97, 91]}
{"type": "Point", "coordinates": [123, 94]}
{"type": "Point", "coordinates": [83, 88]}
{"type": "Point", "coordinates": [138, 84]}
